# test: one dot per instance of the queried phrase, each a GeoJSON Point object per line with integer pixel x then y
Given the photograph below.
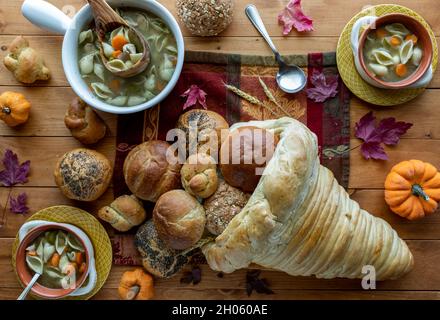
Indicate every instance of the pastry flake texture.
{"type": "Point", "coordinates": [301, 221]}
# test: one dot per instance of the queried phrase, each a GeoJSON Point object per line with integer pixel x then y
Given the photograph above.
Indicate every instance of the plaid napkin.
{"type": "Point", "coordinates": [330, 121]}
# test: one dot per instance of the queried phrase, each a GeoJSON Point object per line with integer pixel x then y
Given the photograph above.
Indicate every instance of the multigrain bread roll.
{"type": "Point", "coordinates": [123, 213]}
{"type": "Point", "coordinates": [223, 206]}
{"type": "Point", "coordinates": [199, 175]}
{"type": "Point", "coordinates": [157, 258]}
{"type": "Point", "coordinates": [203, 130]}
{"type": "Point", "coordinates": [83, 174]}
{"type": "Point", "coordinates": [244, 154]}
{"type": "Point", "coordinates": [179, 219]}
{"type": "Point", "coordinates": [148, 172]}
{"type": "Point", "coordinates": [84, 123]}
{"type": "Point", "coordinates": [301, 221]}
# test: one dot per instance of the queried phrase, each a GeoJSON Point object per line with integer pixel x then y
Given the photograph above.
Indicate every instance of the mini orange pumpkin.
{"type": "Point", "coordinates": [412, 189]}
{"type": "Point", "coordinates": [14, 108]}
{"type": "Point", "coordinates": [136, 285]}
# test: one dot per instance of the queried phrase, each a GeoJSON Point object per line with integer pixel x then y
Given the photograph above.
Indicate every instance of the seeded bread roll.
{"type": "Point", "coordinates": [148, 173]}
{"type": "Point", "coordinates": [83, 174]}
{"type": "Point", "coordinates": [123, 213]}
{"type": "Point", "coordinates": [223, 206]}
{"type": "Point", "coordinates": [199, 175]}
{"type": "Point", "coordinates": [203, 130]}
{"type": "Point", "coordinates": [179, 219]}
{"type": "Point", "coordinates": [157, 258]}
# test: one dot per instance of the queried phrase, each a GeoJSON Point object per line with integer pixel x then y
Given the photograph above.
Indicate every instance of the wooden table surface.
{"type": "Point", "coordinates": [45, 137]}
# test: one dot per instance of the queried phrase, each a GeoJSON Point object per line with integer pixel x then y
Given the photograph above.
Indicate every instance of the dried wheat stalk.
{"type": "Point", "coordinates": [271, 97]}
{"type": "Point", "coordinates": [249, 98]}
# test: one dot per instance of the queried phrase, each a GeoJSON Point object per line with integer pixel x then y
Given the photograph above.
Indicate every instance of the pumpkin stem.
{"type": "Point", "coordinates": [133, 292]}
{"type": "Point", "coordinates": [6, 110]}
{"type": "Point", "coordinates": [417, 190]}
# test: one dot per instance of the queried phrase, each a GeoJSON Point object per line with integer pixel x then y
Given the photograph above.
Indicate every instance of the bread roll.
{"type": "Point", "coordinates": [123, 213]}
{"type": "Point", "coordinates": [179, 219]}
{"type": "Point", "coordinates": [244, 154]}
{"type": "Point", "coordinates": [83, 174]}
{"type": "Point", "coordinates": [157, 258]}
{"type": "Point", "coordinates": [84, 123]}
{"type": "Point", "coordinates": [148, 173]}
{"type": "Point", "coordinates": [199, 175]}
{"type": "Point", "coordinates": [222, 206]}
{"type": "Point", "coordinates": [203, 131]}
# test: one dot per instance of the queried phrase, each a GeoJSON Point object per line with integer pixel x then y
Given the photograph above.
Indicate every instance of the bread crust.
{"type": "Point", "coordinates": [199, 175]}
{"type": "Point", "coordinates": [83, 174]}
{"type": "Point", "coordinates": [147, 172]}
{"type": "Point", "coordinates": [179, 219]}
{"type": "Point", "coordinates": [208, 134]}
{"type": "Point", "coordinates": [123, 213]}
{"type": "Point", "coordinates": [240, 161]}
{"type": "Point", "coordinates": [301, 221]}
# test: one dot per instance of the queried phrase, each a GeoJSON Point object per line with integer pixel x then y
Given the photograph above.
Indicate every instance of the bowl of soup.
{"type": "Point", "coordinates": [83, 67]}
{"type": "Point", "coordinates": [393, 51]}
{"type": "Point", "coordinates": [61, 253]}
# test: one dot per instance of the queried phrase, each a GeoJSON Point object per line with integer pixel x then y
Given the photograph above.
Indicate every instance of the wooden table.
{"type": "Point", "coordinates": [45, 137]}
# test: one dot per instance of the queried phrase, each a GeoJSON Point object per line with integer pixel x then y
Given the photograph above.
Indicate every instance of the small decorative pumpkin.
{"type": "Point", "coordinates": [412, 189]}
{"type": "Point", "coordinates": [14, 108]}
{"type": "Point", "coordinates": [136, 285]}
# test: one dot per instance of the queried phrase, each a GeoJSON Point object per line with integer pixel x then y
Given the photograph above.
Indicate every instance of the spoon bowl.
{"type": "Point", "coordinates": [107, 20]}
{"type": "Point", "coordinates": [290, 78]}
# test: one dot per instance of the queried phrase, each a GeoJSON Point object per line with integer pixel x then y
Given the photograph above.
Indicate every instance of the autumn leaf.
{"type": "Point", "coordinates": [387, 132]}
{"type": "Point", "coordinates": [194, 95]}
{"type": "Point", "coordinates": [293, 17]}
{"type": "Point", "coordinates": [14, 172]}
{"type": "Point", "coordinates": [325, 87]}
{"type": "Point", "coordinates": [18, 205]}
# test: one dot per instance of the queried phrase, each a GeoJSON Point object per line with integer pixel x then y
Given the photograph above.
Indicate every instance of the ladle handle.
{"type": "Point", "coordinates": [106, 19]}
{"type": "Point", "coordinates": [254, 16]}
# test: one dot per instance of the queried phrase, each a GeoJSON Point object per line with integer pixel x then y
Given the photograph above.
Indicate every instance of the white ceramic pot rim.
{"type": "Point", "coordinates": [47, 16]}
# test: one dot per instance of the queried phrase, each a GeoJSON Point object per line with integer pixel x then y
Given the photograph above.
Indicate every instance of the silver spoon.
{"type": "Point", "coordinates": [29, 286]}
{"type": "Point", "coordinates": [290, 78]}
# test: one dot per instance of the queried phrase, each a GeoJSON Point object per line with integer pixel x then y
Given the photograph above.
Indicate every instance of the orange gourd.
{"type": "Point", "coordinates": [136, 285]}
{"type": "Point", "coordinates": [14, 108]}
{"type": "Point", "coordinates": [412, 189]}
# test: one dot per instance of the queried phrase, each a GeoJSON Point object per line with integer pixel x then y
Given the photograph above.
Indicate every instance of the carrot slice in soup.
{"type": "Point", "coordinates": [395, 41]}
{"type": "Point", "coordinates": [116, 53]}
{"type": "Point", "coordinates": [118, 42]}
{"type": "Point", "coordinates": [401, 70]}
{"type": "Point", "coordinates": [381, 33]}
{"type": "Point", "coordinates": [412, 37]}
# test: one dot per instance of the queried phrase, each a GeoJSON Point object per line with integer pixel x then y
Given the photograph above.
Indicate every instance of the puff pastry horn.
{"type": "Point", "coordinates": [301, 221]}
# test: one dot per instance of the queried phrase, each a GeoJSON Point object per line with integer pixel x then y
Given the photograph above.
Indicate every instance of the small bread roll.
{"type": "Point", "coordinates": [148, 173]}
{"type": "Point", "coordinates": [83, 174]}
{"type": "Point", "coordinates": [84, 123]}
{"type": "Point", "coordinates": [223, 206]}
{"type": "Point", "coordinates": [179, 219]}
{"type": "Point", "coordinates": [199, 175]}
{"type": "Point", "coordinates": [123, 213]}
{"type": "Point", "coordinates": [203, 130]}
{"type": "Point", "coordinates": [157, 258]}
{"type": "Point", "coordinates": [244, 155]}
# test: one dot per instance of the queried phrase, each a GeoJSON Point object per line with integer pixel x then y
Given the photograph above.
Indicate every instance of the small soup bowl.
{"type": "Point", "coordinates": [418, 79]}
{"type": "Point", "coordinates": [46, 16]}
{"type": "Point", "coordinates": [32, 230]}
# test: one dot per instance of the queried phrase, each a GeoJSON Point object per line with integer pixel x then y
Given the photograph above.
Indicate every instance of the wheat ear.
{"type": "Point", "coordinates": [249, 98]}
{"type": "Point", "coordinates": [271, 97]}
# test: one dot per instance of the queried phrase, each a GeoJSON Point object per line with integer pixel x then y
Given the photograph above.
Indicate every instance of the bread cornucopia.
{"type": "Point", "coordinates": [301, 221]}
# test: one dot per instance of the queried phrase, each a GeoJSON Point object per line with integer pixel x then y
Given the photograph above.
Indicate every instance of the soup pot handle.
{"type": "Point", "coordinates": [93, 277]}
{"type": "Point", "coordinates": [367, 20]}
{"type": "Point", "coordinates": [46, 16]}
